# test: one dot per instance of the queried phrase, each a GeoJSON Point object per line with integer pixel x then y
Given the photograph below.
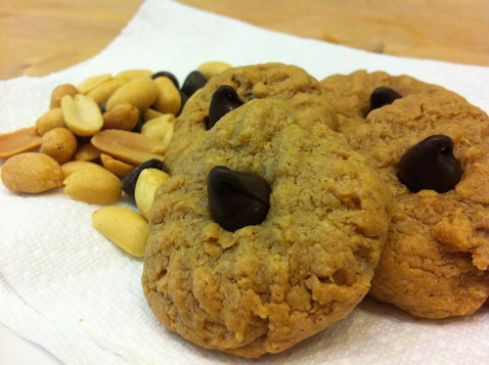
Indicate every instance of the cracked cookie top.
{"type": "Point", "coordinates": [265, 286]}
{"type": "Point", "coordinates": [435, 263]}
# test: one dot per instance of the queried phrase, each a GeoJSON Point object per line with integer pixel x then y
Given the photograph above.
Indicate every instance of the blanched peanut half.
{"type": "Point", "coordinates": [128, 146]}
{"type": "Point", "coordinates": [82, 115]}
{"type": "Point", "coordinates": [169, 99]}
{"type": "Point", "coordinates": [87, 152]}
{"type": "Point", "coordinates": [74, 166]}
{"type": "Point", "coordinates": [60, 144]}
{"type": "Point", "coordinates": [148, 181]}
{"type": "Point", "coordinates": [140, 92]}
{"type": "Point", "coordinates": [124, 227]}
{"type": "Point", "coordinates": [160, 128]}
{"type": "Point", "coordinates": [118, 167]}
{"type": "Point", "coordinates": [31, 172]}
{"type": "Point", "coordinates": [135, 74]}
{"type": "Point", "coordinates": [151, 114]}
{"type": "Point", "coordinates": [92, 82]}
{"type": "Point", "coordinates": [102, 92]}
{"type": "Point", "coordinates": [212, 68]}
{"type": "Point", "coordinates": [95, 186]}
{"type": "Point", "coordinates": [59, 92]}
{"type": "Point", "coordinates": [122, 116]}
{"type": "Point", "coordinates": [50, 120]}
{"type": "Point", "coordinates": [22, 140]}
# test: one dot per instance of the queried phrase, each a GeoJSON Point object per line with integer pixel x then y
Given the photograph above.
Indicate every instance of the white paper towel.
{"type": "Point", "coordinates": [66, 288]}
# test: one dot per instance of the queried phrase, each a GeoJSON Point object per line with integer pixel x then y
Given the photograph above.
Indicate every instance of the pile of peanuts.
{"type": "Point", "coordinates": [106, 136]}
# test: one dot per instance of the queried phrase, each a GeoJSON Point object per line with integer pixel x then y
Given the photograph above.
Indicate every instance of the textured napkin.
{"type": "Point", "coordinates": [66, 288]}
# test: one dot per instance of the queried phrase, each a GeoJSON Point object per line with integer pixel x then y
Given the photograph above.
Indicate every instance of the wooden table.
{"type": "Point", "coordinates": [38, 37]}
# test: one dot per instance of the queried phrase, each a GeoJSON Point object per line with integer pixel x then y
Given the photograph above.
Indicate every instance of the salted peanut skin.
{"type": "Point", "coordinates": [31, 172]}
{"type": "Point", "coordinates": [92, 82]}
{"type": "Point", "coordinates": [122, 116]}
{"type": "Point", "coordinates": [87, 152]}
{"type": "Point", "coordinates": [60, 92]}
{"type": "Point", "coordinates": [102, 92]}
{"type": "Point", "coordinates": [95, 186]}
{"type": "Point", "coordinates": [169, 99]}
{"type": "Point", "coordinates": [50, 120]}
{"type": "Point", "coordinates": [134, 74]}
{"type": "Point", "coordinates": [124, 227]}
{"type": "Point", "coordinates": [22, 140]}
{"type": "Point", "coordinates": [74, 166]}
{"type": "Point", "coordinates": [60, 144]}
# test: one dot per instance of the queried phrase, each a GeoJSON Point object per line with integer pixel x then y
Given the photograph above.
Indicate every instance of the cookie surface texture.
{"type": "Point", "coordinates": [435, 262]}
{"type": "Point", "coordinates": [265, 287]}
{"type": "Point", "coordinates": [285, 82]}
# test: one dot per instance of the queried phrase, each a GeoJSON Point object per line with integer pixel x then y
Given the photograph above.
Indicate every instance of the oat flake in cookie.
{"type": "Point", "coordinates": [431, 147]}
{"type": "Point", "coordinates": [305, 261]}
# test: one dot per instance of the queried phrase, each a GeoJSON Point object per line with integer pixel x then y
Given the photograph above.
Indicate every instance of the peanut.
{"type": "Point", "coordinates": [92, 82]}
{"type": "Point", "coordinates": [87, 152]}
{"type": "Point", "coordinates": [124, 227]}
{"type": "Point", "coordinates": [74, 166]}
{"type": "Point", "coordinates": [130, 147]}
{"type": "Point", "coordinates": [95, 186]}
{"type": "Point", "coordinates": [22, 140]}
{"type": "Point", "coordinates": [151, 114]}
{"type": "Point", "coordinates": [60, 144]}
{"type": "Point", "coordinates": [119, 168]}
{"type": "Point", "coordinates": [140, 92]}
{"type": "Point", "coordinates": [134, 74]}
{"type": "Point", "coordinates": [59, 92]}
{"type": "Point", "coordinates": [212, 68]}
{"type": "Point", "coordinates": [31, 172]}
{"type": "Point", "coordinates": [160, 128]}
{"type": "Point", "coordinates": [82, 115]}
{"type": "Point", "coordinates": [122, 116]}
{"type": "Point", "coordinates": [148, 181]}
{"type": "Point", "coordinates": [102, 92]}
{"type": "Point", "coordinates": [169, 99]}
{"type": "Point", "coordinates": [50, 120]}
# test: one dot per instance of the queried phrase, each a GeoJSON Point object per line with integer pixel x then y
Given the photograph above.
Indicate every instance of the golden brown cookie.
{"type": "Point", "coordinates": [435, 263]}
{"type": "Point", "coordinates": [276, 80]}
{"type": "Point", "coordinates": [264, 286]}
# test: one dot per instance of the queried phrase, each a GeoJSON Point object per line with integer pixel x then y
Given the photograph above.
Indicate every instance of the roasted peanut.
{"type": "Point", "coordinates": [148, 181]}
{"type": "Point", "coordinates": [22, 140]}
{"type": "Point", "coordinates": [122, 116]}
{"type": "Point", "coordinates": [31, 172]}
{"type": "Point", "coordinates": [92, 82]}
{"type": "Point", "coordinates": [87, 152]}
{"type": "Point", "coordinates": [128, 146]}
{"type": "Point", "coordinates": [160, 128]}
{"type": "Point", "coordinates": [134, 74]}
{"type": "Point", "coordinates": [124, 227]}
{"type": "Point", "coordinates": [50, 120]}
{"type": "Point", "coordinates": [151, 114]}
{"type": "Point", "coordinates": [140, 92]}
{"type": "Point", "coordinates": [169, 100]}
{"type": "Point", "coordinates": [59, 92]}
{"type": "Point", "coordinates": [73, 166]}
{"type": "Point", "coordinates": [60, 144]}
{"type": "Point", "coordinates": [102, 92]}
{"type": "Point", "coordinates": [212, 68]}
{"type": "Point", "coordinates": [120, 168]}
{"type": "Point", "coordinates": [95, 186]}
{"type": "Point", "coordinates": [82, 115]}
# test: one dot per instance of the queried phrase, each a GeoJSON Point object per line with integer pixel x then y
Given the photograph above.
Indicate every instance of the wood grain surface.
{"type": "Point", "coordinates": [38, 37]}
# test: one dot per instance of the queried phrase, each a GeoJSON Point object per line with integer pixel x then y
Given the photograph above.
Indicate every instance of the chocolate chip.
{"type": "Point", "coordinates": [430, 165]}
{"type": "Point", "coordinates": [382, 96]}
{"type": "Point", "coordinates": [237, 199]}
{"type": "Point", "coordinates": [223, 101]}
{"type": "Point", "coordinates": [194, 81]}
{"type": "Point", "coordinates": [139, 124]}
{"type": "Point", "coordinates": [166, 74]}
{"type": "Point", "coordinates": [129, 182]}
